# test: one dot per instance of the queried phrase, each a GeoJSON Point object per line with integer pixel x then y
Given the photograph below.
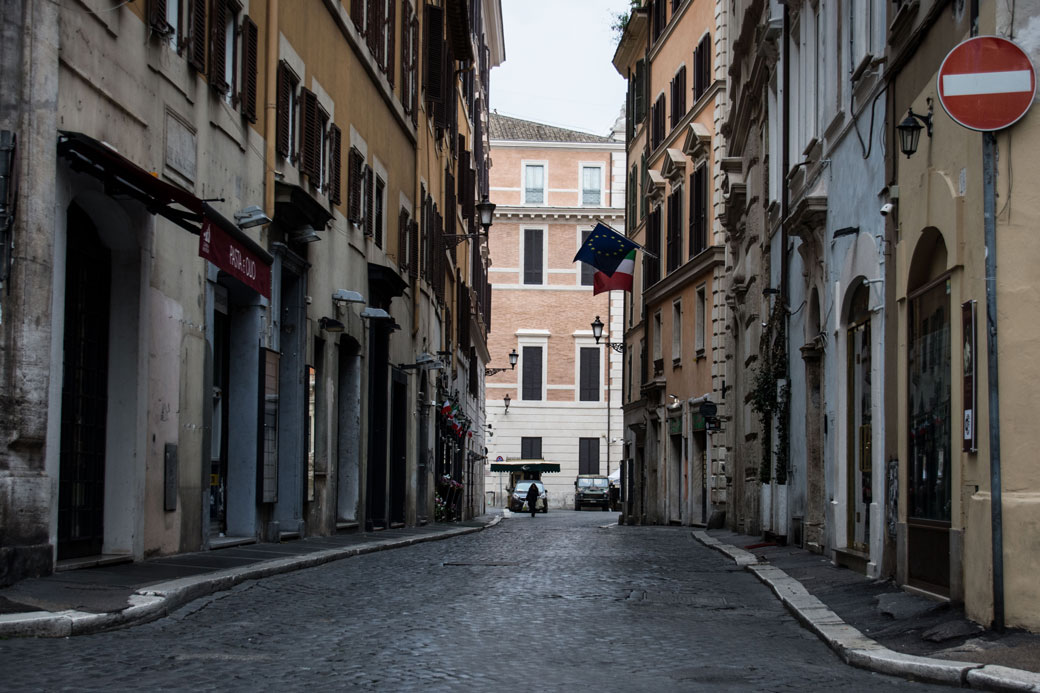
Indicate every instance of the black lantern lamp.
{"type": "Point", "coordinates": [506, 400]}
{"type": "Point", "coordinates": [597, 332]}
{"type": "Point", "coordinates": [486, 212]}
{"type": "Point", "coordinates": [910, 129]}
{"type": "Point", "coordinates": [513, 358]}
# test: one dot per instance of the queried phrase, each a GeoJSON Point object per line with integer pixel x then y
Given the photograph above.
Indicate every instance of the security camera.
{"type": "Point", "coordinates": [887, 208]}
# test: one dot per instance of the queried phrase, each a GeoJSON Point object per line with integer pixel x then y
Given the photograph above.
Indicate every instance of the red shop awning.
{"type": "Point", "coordinates": [220, 241]}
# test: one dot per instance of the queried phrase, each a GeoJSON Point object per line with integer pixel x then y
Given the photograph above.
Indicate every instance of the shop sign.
{"type": "Point", "coordinates": [234, 258]}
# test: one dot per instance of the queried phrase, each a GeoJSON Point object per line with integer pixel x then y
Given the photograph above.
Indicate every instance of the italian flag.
{"type": "Point", "coordinates": [621, 279]}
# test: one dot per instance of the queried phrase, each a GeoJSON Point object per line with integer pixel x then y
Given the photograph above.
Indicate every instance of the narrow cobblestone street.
{"type": "Point", "coordinates": [562, 601]}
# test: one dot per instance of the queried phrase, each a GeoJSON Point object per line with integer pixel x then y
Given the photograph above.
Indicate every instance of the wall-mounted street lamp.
{"type": "Point", "coordinates": [513, 358]}
{"type": "Point", "coordinates": [506, 400]}
{"type": "Point", "coordinates": [485, 214]}
{"type": "Point", "coordinates": [251, 216]}
{"type": "Point", "coordinates": [910, 129]}
{"type": "Point", "coordinates": [597, 332]}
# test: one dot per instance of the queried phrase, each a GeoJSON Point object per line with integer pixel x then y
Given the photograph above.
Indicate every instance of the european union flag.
{"type": "Point", "coordinates": [604, 249]}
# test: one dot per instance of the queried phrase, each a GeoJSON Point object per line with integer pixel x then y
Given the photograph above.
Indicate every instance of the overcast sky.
{"type": "Point", "coordinates": [557, 69]}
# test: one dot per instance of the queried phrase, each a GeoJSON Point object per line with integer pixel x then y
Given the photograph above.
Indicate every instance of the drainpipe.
{"type": "Point", "coordinates": [270, 112]}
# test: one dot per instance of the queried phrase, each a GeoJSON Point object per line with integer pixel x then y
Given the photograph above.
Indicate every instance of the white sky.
{"type": "Point", "coordinates": [557, 69]}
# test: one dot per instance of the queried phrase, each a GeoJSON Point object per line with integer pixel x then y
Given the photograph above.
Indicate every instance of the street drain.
{"type": "Point", "coordinates": [484, 564]}
{"type": "Point", "coordinates": [699, 601]}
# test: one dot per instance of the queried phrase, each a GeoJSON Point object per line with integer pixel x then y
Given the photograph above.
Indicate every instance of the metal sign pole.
{"type": "Point", "coordinates": [989, 175]}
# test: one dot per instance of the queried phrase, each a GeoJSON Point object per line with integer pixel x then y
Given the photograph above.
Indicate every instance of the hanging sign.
{"type": "Point", "coordinates": [969, 443]}
{"type": "Point", "coordinates": [217, 246]}
{"type": "Point", "coordinates": [986, 83]}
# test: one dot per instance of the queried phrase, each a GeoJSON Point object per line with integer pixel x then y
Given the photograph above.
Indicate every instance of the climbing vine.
{"type": "Point", "coordinates": [769, 395]}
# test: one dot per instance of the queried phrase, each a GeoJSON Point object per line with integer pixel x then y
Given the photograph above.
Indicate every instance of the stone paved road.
{"type": "Point", "coordinates": [558, 602]}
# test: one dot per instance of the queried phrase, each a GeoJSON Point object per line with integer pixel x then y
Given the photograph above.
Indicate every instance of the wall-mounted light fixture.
{"type": "Point", "coordinates": [330, 325]}
{"type": "Point", "coordinates": [513, 358]}
{"type": "Point", "coordinates": [506, 400]}
{"type": "Point", "coordinates": [485, 214]}
{"type": "Point", "coordinates": [251, 216]}
{"type": "Point", "coordinates": [370, 313]}
{"type": "Point", "coordinates": [345, 296]}
{"type": "Point", "coordinates": [597, 332]}
{"type": "Point", "coordinates": [910, 129]}
{"type": "Point", "coordinates": [304, 234]}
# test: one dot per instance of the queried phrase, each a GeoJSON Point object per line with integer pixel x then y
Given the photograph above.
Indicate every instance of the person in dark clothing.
{"type": "Point", "coordinates": [532, 497]}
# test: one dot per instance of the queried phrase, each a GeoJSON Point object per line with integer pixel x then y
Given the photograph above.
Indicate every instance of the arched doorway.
{"type": "Point", "coordinates": [929, 384]}
{"type": "Point", "coordinates": [859, 489]}
{"type": "Point", "coordinates": [84, 392]}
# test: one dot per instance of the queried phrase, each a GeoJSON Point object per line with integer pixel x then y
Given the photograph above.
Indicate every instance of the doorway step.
{"type": "Point", "coordinates": [92, 561]}
{"type": "Point", "coordinates": [852, 559]}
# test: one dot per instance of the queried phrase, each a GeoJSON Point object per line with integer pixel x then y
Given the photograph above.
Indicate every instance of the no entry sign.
{"type": "Point", "coordinates": [986, 83]}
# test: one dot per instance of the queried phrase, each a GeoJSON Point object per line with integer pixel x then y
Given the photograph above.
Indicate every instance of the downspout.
{"type": "Point", "coordinates": [785, 164]}
{"type": "Point", "coordinates": [270, 112]}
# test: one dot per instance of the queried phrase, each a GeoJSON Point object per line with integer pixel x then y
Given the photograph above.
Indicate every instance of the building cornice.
{"type": "Point", "coordinates": [535, 144]}
{"type": "Point", "coordinates": [591, 213]}
{"type": "Point", "coordinates": [685, 274]}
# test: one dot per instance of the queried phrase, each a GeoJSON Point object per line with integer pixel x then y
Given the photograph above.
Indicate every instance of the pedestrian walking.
{"type": "Point", "coordinates": [532, 497]}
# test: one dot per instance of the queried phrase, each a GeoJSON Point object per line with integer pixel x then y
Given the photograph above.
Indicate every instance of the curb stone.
{"type": "Point", "coordinates": [857, 649]}
{"type": "Point", "coordinates": [160, 599]}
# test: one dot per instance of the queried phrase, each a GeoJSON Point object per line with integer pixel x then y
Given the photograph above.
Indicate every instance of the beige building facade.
{"type": "Point", "coordinates": [551, 187]}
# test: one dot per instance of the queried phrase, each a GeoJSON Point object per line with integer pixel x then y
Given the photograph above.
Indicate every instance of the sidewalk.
{"type": "Point", "coordinates": [875, 625]}
{"type": "Point", "coordinates": [89, 600]}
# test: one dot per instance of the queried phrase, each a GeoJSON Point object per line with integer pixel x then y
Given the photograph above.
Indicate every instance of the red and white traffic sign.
{"type": "Point", "coordinates": [986, 83]}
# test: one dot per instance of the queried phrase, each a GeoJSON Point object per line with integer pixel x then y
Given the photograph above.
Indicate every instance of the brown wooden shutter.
{"type": "Point", "coordinates": [406, 59]}
{"type": "Point", "coordinates": [370, 199]}
{"type": "Point", "coordinates": [354, 175]}
{"type": "Point", "coordinates": [157, 16]}
{"type": "Point", "coordinates": [391, 40]}
{"type": "Point", "coordinates": [249, 58]}
{"type": "Point", "coordinates": [413, 250]}
{"type": "Point", "coordinates": [413, 70]}
{"type": "Point", "coordinates": [218, 45]}
{"type": "Point", "coordinates": [357, 13]}
{"type": "Point", "coordinates": [335, 164]}
{"type": "Point", "coordinates": [197, 36]}
{"type": "Point", "coordinates": [282, 112]}
{"type": "Point", "coordinates": [373, 28]}
{"type": "Point", "coordinates": [403, 260]}
{"type": "Point", "coordinates": [433, 57]}
{"type": "Point", "coordinates": [310, 158]}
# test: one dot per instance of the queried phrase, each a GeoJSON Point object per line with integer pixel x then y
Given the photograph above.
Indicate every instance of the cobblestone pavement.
{"type": "Point", "coordinates": [560, 601]}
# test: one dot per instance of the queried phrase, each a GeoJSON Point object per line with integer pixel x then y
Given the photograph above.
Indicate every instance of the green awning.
{"type": "Point", "coordinates": [525, 467]}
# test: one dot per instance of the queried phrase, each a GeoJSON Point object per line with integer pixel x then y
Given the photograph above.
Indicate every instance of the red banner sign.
{"type": "Point", "coordinates": [234, 258]}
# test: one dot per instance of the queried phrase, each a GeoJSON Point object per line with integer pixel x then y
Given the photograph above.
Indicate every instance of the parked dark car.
{"type": "Point", "coordinates": [591, 489]}
{"type": "Point", "coordinates": [519, 496]}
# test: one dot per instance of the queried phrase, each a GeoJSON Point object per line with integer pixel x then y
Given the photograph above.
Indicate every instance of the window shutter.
{"type": "Point", "coordinates": [413, 71]}
{"type": "Point", "coordinates": [698, 86]}
{"type": "Point", "coordinates": [532, 366]}
{"type": "Point", "coordinates": [197, 37]}
{"type": "Point", "coordinates": [249, 58]}
{"type": "Point", "coordinates": [680, 95]}
{"type": "Point", "coordinates": [406, 57]}
{"type": "Point", "coordinates": [283, 112]}
{"type": "Point", "coordinates": [335, 164]}
{"type": "Point", "coordinates": [403, 260]}
{"type": "Point", "coordinates": [640, 93]}
{"type": "Point", "coordinates": [157, 17]}
{"type": "Point", "coordinates": [391, 40]}
{"type": "Point", "coordinates": [357, 13]}
{"type": "Point", "coordinates": [532, 256]}
{"type": "Point", "coordinates": [354, 185]}
{"type": "Point", "coordinates": [433, 58]}
{"type": "Point", "coordinates": [218, 45]}
{"type": "Point", "coordinates": [413, 250]}
{"type": "Point", "coordinates": [373, 28]}
{"type": "Point", "coordinates": [589, 375]}
{"type": "Point", "coordinates": [310, 135]}
{"type": "Point", "coordinates": [705, 62]}
{"type": "Point", "coordinates": [369, 183]}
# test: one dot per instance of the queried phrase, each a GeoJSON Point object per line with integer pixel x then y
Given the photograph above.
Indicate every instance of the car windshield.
{"type": "Point", "coordinates": [593, 483]}
{"type": "Point", "coordinates": [522, 486]}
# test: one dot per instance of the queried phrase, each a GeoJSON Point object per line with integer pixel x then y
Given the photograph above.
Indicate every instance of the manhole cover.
{"type": "Point", "coordinates": [483, 564]}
